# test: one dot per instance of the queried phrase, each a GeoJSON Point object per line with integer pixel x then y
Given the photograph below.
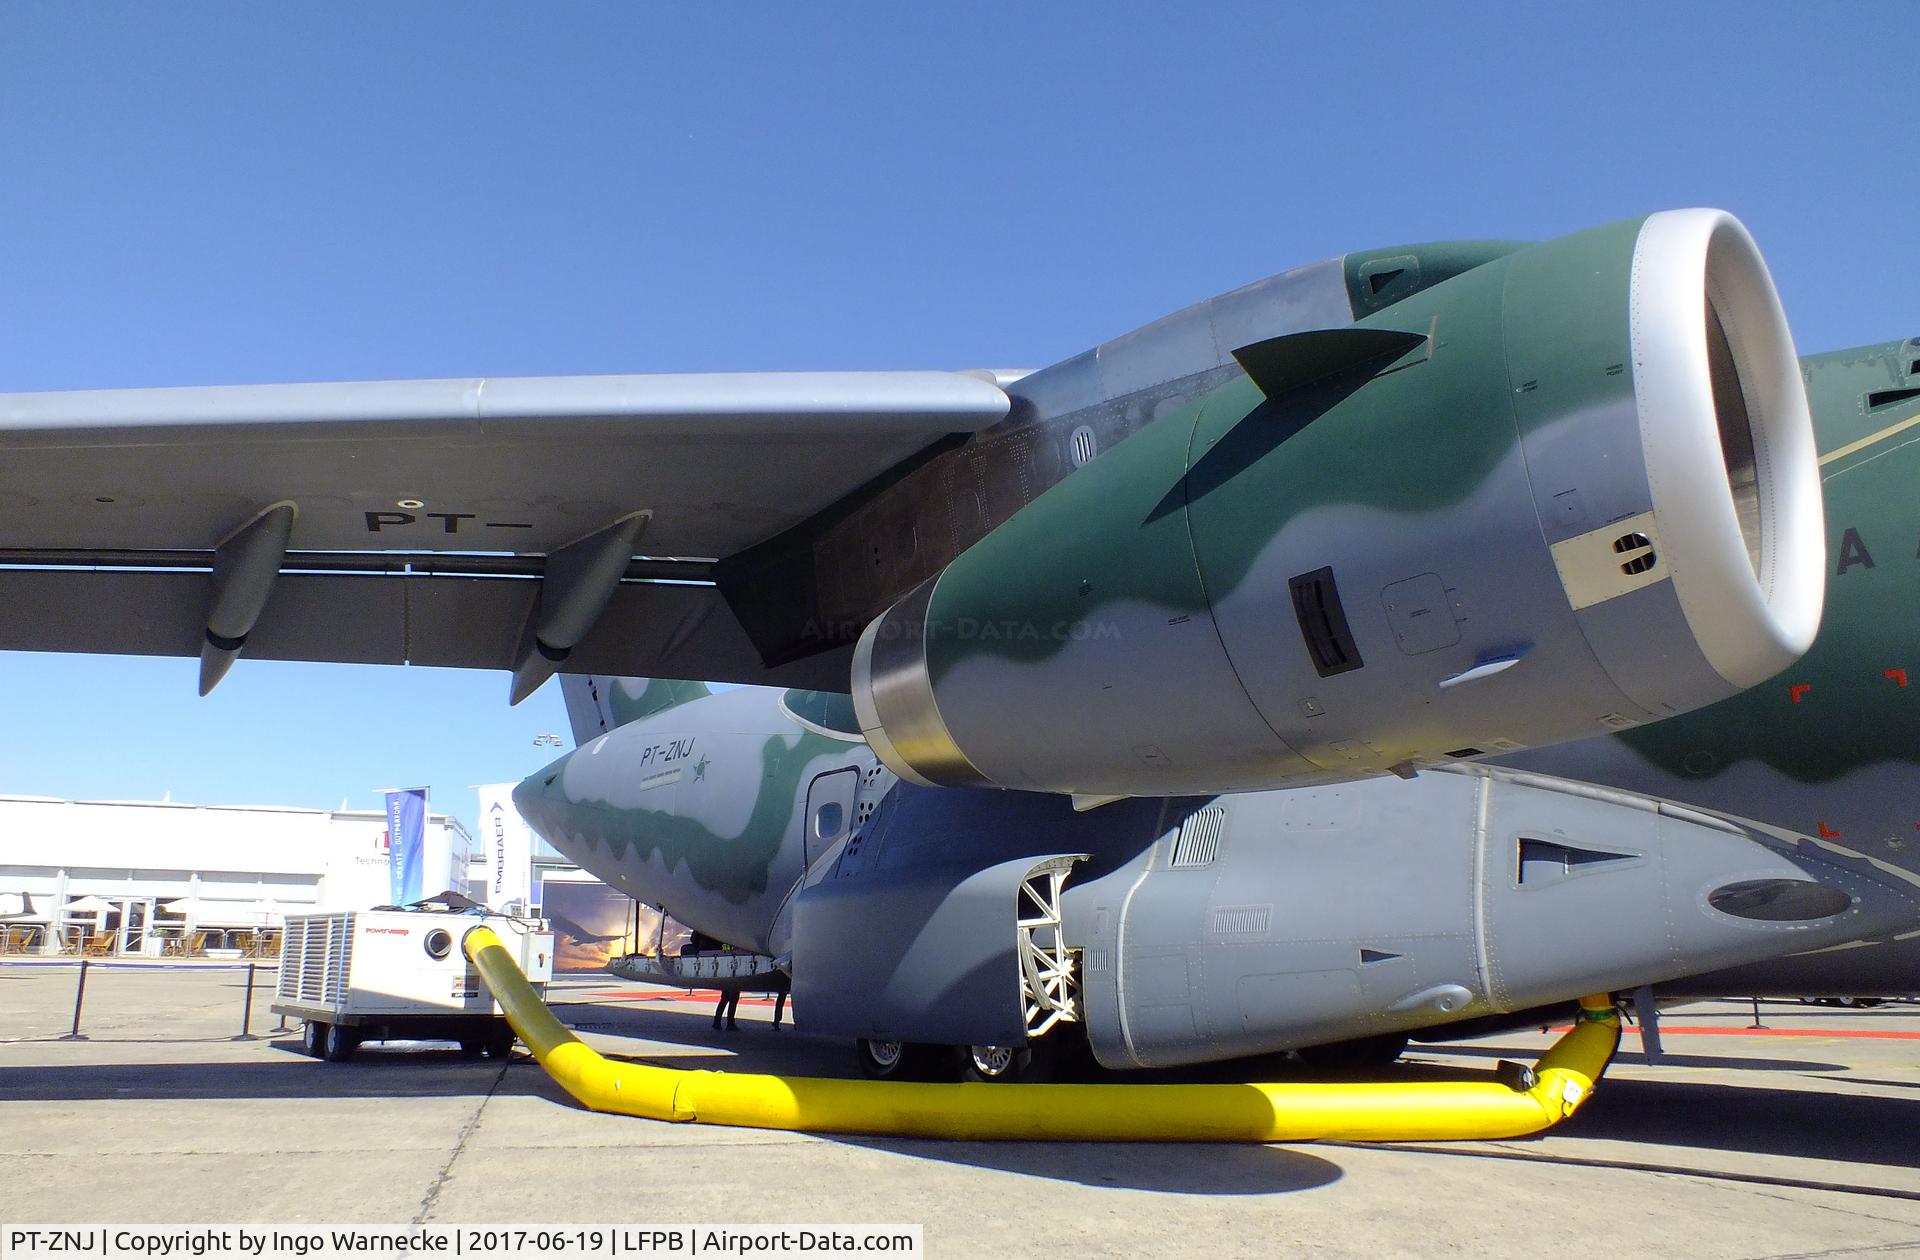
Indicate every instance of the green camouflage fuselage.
{"type": "Point", "coordinates": [695, 806]}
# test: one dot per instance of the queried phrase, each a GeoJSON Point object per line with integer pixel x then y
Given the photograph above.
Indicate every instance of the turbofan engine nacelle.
{"type": "Point", "coordinates": [1567, 492]}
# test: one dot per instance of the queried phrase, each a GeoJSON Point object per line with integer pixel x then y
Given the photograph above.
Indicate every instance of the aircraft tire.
{"type": "Point", "coordinates": [893, 1060]}
{"type": "Point", "coordinates": [1004, 1064]}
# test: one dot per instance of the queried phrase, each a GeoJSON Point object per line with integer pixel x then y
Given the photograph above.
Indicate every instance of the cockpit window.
{"type": "Point", "coordinates": [829, 711]}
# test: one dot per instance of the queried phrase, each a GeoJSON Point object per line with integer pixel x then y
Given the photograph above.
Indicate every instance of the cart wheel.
{"type": "Point", "coordinates": [338, 1043]}
{"type": "Point", "coordinates": [310, 1035]}
{"type": "Point", "coordinates": [471, 1047]}
{"type": "Point", "coordinates": [499, 1043]}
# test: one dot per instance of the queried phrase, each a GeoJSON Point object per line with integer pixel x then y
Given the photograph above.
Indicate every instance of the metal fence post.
{"type": "Point", "coordinates": [282, 1026]}
{"type": "Point", "coordinates": [79, 997]}
{"type": "Point", "coordinates": [246, 1012]}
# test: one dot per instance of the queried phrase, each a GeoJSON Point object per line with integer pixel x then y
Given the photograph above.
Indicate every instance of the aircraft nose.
{"type": "Point", "coordinates": [544, 784]}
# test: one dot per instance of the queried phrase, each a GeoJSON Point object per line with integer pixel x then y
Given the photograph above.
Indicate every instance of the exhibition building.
{"type": "Point", "coordinates": [158, 878]}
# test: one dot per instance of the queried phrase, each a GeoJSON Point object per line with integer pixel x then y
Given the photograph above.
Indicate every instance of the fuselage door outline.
{"type": "Point", "coordinates": [830, 799]}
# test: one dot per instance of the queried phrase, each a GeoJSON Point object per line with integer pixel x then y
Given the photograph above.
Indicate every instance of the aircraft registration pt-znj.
{"type": "Point", "coordinates": [1406, 644]}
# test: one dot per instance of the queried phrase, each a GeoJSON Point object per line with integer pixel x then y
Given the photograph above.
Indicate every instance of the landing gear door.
{"type": "Point", "coordinates": [829, 811]}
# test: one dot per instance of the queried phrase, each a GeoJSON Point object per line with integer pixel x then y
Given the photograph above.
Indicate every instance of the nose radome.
{"type": "Point", "coordinates": [541, 784]}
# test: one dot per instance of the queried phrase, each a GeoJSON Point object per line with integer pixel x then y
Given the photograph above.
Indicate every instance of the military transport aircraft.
{"type": "Point", "coordinates": [1400, 643]}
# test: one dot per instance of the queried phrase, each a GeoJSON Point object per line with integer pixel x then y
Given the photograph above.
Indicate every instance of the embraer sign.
{"type": "Point", "coordinates": [496, 817]}
{"type": "Point", "coordinates": [505, 833]}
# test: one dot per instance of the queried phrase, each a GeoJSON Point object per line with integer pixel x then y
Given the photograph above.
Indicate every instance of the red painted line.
{"type": "Point", "coordinates": [1899, 676]}
{"type": "Point", "coordinates": [1798, 690]}
{"type": "Point", "coordinates": [692, 995]}
{"type": "Point", "coordinates": [1714, 1030]}
{"type": "Point", "coordinates": [1826, 834]}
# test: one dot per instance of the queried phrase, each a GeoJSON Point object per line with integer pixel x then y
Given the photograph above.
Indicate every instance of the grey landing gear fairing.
{"type": "Point", "coordinates": [1049, 998]}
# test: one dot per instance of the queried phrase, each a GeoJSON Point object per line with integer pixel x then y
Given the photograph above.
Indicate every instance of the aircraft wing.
{"type": "Point", "coordinates": [426, 517]}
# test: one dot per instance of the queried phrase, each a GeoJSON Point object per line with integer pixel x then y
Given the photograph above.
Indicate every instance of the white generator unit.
{"type": "Point", "coordinates": [400, 975]}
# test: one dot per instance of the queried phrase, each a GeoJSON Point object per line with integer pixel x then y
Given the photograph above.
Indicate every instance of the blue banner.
{"type": "Point", "coordinates": [406, 842]}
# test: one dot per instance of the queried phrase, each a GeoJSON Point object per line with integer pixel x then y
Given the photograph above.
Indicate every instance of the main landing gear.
{"type": "Point", "coordinates": [1049, 998]}
{"type": "Point", "coordinates": [896, 1060]}
{"type": "Point", "coordinates": [914, 1061]}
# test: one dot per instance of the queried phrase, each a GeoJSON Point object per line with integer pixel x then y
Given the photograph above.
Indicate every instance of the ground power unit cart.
{"type": "Point", "coordinates": [400, 975]}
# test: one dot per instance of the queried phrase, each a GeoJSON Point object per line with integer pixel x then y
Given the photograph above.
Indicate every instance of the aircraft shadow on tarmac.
{"type": "Point", "coordinates": [1730, 1063]}
{"type": "Point", "coordinates": [1808, 1124]}
{"type": "Point", "coordinates": [1164, 1167]}
{"type": "Point", "coordinates": [423, 1073]}
{"type": "Point", "coordinates": [1876, 1081]}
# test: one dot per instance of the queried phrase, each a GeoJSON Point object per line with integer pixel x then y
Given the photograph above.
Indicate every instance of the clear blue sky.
{"type": "Point", "coordinates": [229, 192]}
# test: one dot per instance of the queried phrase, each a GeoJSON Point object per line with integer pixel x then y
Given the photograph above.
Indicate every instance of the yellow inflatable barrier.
{"type": "Point", "coordinates": [1286, 1112]}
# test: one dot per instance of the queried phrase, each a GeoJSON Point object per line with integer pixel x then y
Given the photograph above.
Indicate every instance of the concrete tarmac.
{"type": "Point", "coordinates": [1797, 1139]}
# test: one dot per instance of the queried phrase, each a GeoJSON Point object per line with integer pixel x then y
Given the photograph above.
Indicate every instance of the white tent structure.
{"type": "Point", "coordinates": [147, 877]}
{"type": "Point", "coordinates": [264, 912]}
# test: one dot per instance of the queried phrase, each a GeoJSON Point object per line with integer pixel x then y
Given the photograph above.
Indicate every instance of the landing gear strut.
{"type": "Point", "coordinates": [1049, 971]}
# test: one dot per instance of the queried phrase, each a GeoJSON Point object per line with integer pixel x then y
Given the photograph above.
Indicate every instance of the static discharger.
{"type": "Point", "coordinates": [1504, 1105]}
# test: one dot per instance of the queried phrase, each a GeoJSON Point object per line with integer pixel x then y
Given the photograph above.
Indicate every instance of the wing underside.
{"type": "Point", "coordinates": [528, 524]}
